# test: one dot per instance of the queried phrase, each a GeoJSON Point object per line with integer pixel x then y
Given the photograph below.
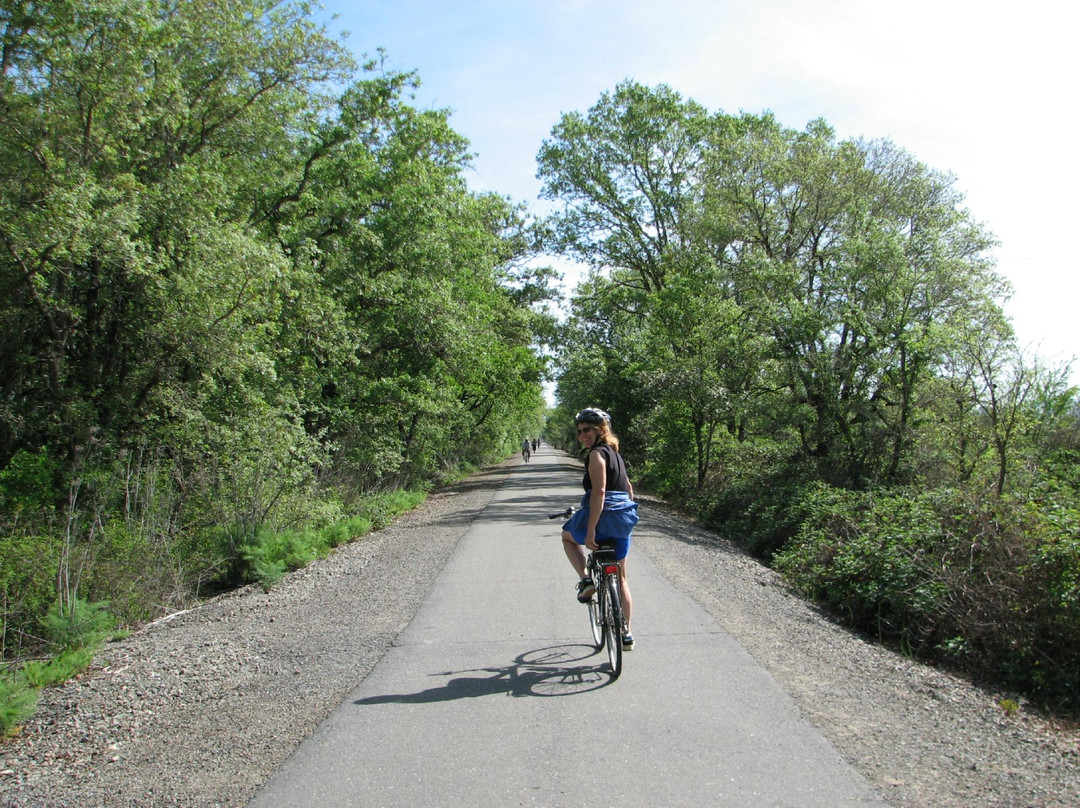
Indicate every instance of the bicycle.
{"type": "Point", "coordinates": [605, 607]}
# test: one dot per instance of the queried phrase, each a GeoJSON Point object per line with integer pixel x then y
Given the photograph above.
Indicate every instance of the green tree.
{"type": "Point", "coordinates": [428, 327]}
{"type": "Point", "coordinates": [131, 137]}
{"type": "Point", "coordinates": [859, 263]}
{"type": "Point", "coordinates": [814, 280]}
{"type": "Point", "coordinates": [629, 174]}
{"type": "Point", "coordinates": [242, 286]}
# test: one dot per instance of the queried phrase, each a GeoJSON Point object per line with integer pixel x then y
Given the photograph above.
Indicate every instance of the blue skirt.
{"type": "Point", "coordinates": [617, 521]}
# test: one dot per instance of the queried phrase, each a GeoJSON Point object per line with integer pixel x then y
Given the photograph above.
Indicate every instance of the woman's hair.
{"type": "Point", "coordinates": [604, 433]}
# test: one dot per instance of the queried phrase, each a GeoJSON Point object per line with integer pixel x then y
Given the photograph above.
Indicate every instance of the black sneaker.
{"type": "Point", "coordinates": [628, 642]}
{"type": "Point", "coordinates": [585, 590]}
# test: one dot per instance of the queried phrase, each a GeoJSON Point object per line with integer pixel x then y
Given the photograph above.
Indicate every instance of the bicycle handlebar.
{"type": "Point", "coordinates": [564, 514]}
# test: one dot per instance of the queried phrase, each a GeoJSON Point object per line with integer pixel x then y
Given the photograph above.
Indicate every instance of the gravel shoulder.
{"type": "Point", "coordinates": [200, 709]}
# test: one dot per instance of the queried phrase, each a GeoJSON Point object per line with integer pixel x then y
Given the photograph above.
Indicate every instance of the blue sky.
{"type": "Point", "coordinates": [982, 90]}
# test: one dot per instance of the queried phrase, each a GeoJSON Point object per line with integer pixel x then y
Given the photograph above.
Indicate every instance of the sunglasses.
{"type": "Point", "coordinates": [584, 429]}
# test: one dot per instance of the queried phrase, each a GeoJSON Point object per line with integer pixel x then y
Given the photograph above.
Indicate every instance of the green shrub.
{"type": "Point", "coordinates": [342, 532]}
{"type": "Point", "coordinates": [268, 555]}
{"type": "Point", "coordinates": [383, 508]}
{"type": "Point", "coordinates": [870, 556]}
{"type": "Point", "coordinates": [1047, 612]}
{"type": "Point", "coordinates": [356, 527]}
{"type": "Point", "coordinates": [68, 664]}
{"type": "Point", "coordinates": [333, 536]}
{"type": "Point", "coordinates": [78, 630]}
{"type": "Point", "coordinates": [17, 704]}
{"type": "Point", "coordinates": [28, 568]}
{"type": "Point", "coordinates": [989, 586]}
{"type": "Point", "coordinates": [134, 572]}
{"type": "Point", "coordinates": [760, 507]}
{"type": "Point", "coordinates": [19, 692]}
{"type": "Point", "coordinates": [78, 624]}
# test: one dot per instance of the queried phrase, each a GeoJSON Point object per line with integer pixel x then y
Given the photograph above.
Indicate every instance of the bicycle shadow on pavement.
{"type": "Point", "coordinates": [552, 671]}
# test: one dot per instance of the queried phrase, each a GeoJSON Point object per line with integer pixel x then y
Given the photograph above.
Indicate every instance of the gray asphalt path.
{"type": "Point", "coordinates": [494, 694]}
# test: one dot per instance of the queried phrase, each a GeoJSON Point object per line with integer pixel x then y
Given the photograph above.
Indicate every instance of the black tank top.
{"type": "Point", "coordinates": [616, 469]}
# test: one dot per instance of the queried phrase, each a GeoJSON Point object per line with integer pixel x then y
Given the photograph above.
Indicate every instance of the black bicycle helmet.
{"type": "Point", "coordinates": [592, 415]}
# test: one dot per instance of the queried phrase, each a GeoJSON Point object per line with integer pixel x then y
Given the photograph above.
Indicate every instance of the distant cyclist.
{"type": "Point", "coordinates": [608, 510]}
{"type": "Point", "coordinates": [526, 449]}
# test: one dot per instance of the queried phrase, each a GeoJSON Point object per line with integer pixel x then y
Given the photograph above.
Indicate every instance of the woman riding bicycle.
{"type": "Point", "coordinates": [608, 510]}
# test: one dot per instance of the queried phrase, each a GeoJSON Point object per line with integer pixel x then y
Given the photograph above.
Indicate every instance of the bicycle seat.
{"type": "Point", "coordinates": [606, 553]}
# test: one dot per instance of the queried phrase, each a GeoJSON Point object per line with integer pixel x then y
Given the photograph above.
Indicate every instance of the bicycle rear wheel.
{"type": "Point", "coordinates": [596, 621]}
{"type": "Point", "coordinates": [613, 621]}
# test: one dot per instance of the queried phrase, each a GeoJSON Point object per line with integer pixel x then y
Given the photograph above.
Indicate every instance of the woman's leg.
{"type": "Point", "coordinates": [575, 552]}
{"type": "Point", "coordinates": [624, 591]}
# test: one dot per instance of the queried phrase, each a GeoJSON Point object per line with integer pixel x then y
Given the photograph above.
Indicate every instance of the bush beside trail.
{"type": "Point", "coordinates": [988, 586]}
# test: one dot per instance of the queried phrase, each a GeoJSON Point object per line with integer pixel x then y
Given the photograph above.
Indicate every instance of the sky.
{"type": "Point", "coordinates": [982, 90]}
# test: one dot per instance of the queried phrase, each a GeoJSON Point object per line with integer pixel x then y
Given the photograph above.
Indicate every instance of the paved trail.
{"type": "Point", "coordinates": [494, 694]}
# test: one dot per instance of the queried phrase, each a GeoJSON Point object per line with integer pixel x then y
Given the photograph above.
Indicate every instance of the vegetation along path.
{"type": "Point", "coordinates": [201, 709]}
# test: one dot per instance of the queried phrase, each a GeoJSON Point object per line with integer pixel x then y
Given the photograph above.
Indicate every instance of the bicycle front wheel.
{"type": "Point", "coordinates": [613, 621]}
